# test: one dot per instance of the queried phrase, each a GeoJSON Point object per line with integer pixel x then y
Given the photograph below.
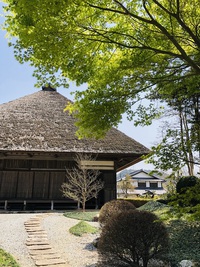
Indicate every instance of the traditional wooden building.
{"type": "Point", "coordinates": [144, 183]}
{"type": "Point", "coordinates": [38, 143]}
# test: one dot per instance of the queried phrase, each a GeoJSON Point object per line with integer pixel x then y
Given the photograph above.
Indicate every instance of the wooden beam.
{"type": "Point", "coordinates": [129, 164]}
{"type": "Point", "coordinates": [98, 164]}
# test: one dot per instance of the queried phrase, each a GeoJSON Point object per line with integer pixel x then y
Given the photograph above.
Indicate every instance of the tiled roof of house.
{"type": "Point", "coordinates": [152, 175]}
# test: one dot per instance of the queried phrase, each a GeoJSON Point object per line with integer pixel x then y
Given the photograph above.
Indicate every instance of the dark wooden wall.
{"type": "Point", "coordinates": [42, 179]}
{"type": "Point", "coordinates": [31, 184]}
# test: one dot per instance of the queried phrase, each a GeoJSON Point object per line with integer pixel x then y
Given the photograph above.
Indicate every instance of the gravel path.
{"type": "Point", "coordinates": [77, 251]}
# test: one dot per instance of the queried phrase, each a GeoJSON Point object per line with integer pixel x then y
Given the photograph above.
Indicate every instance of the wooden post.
{"type": "Point", "coordinates": [24, 207]}
{"type": "Point", "coordinates": [52, 205]}
{"type": "Point", "coordinates": [5, 204]}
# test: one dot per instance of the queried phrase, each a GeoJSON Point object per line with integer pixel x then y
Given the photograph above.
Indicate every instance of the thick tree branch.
{"type": "Point", "coordinates": [126, 11]}
{"type": "Point", "coordinates": [183, 55]}
{"type": "Point", "coordinates": [107, 39]}
{"type": "Point", "coordinates": [177, 17]}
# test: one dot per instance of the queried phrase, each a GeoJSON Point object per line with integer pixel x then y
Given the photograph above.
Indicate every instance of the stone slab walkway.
{"type": "Point", "coordinates": [39, 247]}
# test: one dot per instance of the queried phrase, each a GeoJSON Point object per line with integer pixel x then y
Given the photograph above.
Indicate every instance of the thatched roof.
{"type": "Point", "coordinates": [37, 122]}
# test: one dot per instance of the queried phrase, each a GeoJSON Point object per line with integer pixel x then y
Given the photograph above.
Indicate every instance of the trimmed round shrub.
{"type": "Point", "coordinates": [132, 238]}
{"type": "Point", "coordinates": [185, 182]}
{"type": "Point", "coordinates": [113, 207]}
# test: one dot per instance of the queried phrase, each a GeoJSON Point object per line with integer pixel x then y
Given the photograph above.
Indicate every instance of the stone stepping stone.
{"type": "Point", "coordinates": [39, 217]}
{"type": "Point", "coordinates": [38, 245]}
{"type": "Point", "coordinates": [29, 231]}
{"type": "Point", "coordinates": [42, 252]}
{"type": "Point", "coordinates": [36, 220]}
{"type": "Point", "coordinates": [35, 239]}
{"type": "Point", "coordinates": [41, 247]}
{"type": "Point", "coordinates": [33, 229]}
{"type": "Point", "coordinates": [47, 256]}
{"type": "Point", "coordinates": [34, 232]}
{"type": "Point", "coordinates": [47, 262]}
{"type": "Point", "coordinates": [40, 242]}
{"type": "Point", "coordinates": [38, 237]}
{"type": "Point", "coordinates": [32, 226]}
{"type": "Point", "coordinates": [32, 223]}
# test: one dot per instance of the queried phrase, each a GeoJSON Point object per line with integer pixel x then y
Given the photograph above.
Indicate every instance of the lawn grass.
{"type": "Point", "coordinates": [83, 216]}
{"type": "Point", "coordinates": [6, 260]}
{"type": "Point", "coordinates": [83, 228]}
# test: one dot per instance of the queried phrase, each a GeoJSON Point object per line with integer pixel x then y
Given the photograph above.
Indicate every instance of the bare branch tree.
{"type": "Point", "coordinates": [82, 183]}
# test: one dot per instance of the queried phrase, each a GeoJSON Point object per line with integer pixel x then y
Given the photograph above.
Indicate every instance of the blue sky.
{"type": "Point", "coordinates": [16, 81]}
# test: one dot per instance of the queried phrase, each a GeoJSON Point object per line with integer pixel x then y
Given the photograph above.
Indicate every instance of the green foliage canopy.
{"type": "Point", "coordinates": [119, 48]}
{"type": "Point", "coordinates": [185, 183]}
{"type": "Point", "coordinates": [187, 199]}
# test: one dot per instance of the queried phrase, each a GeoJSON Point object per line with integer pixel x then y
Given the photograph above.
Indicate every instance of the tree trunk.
{"type": "Point", "coordinates": [83, 206]}
{"type": "Point", "coordinates": [186, 144]}
{"type": "Point", "coordinates": [145, 263]}
{"type": "Point", "coordinates": [96, 204]}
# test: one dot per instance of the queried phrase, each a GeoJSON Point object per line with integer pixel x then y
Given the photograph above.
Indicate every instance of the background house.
{"type": "Point", "coordinates": [38, 143]}
{"type": "Point", "coordinates": [145, 182]}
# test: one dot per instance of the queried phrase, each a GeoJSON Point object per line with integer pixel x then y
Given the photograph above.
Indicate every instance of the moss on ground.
{"type": "Point", "coordinates": [83, 216]}
{"type": "Point", "coordinates": [83, 228]}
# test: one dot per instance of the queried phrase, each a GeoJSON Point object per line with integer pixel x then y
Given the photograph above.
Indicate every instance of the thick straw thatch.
{"type": "Point", "coordinates": [37, 122]}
